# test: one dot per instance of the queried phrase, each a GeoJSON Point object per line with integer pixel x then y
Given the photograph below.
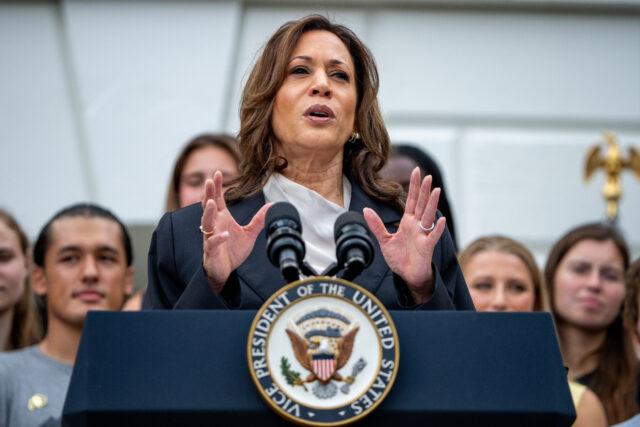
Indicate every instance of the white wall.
{"type": "Point", "coordinates": [96, 99]}
{"type": "Point", "coordinates": [42, 162]}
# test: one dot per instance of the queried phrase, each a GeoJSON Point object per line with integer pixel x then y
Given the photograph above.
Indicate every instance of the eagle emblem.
{"type": "Point", "coordinates": [322, 342]}
{"type": "Point", "coordinates": [323, 352]}
{"type": "Point", "coordinates": [613, 164]}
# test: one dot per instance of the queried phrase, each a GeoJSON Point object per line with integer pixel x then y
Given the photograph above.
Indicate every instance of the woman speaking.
{"type": "Point", "coordinates": [311, 134]}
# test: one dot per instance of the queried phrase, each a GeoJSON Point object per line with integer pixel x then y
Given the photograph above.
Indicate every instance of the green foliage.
{"type": "Point", "coordinates": [289, 375]}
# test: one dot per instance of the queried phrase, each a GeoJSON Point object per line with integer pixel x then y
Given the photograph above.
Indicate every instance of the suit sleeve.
{"type": "Point", "coordinates": [450, 290]}
{"type": "Point", "coordinates": [167, 290]}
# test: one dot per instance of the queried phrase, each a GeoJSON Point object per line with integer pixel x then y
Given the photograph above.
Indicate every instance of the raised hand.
{"type": "Point", "coordinates": [225, 243]}
{"type": "Point", "coordinates": [409, 250]}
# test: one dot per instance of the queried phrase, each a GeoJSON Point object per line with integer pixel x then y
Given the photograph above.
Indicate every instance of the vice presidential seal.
{"type": "Point", "coordinates": [323, 351]}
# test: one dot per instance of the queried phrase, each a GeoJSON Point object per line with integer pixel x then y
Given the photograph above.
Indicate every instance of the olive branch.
{"type": "Point", "coordinates": [292, 377]}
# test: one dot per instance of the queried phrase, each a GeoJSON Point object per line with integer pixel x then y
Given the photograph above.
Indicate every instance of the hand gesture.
{"type": "Point", "coordinates": [225, 243]}
{"type": "Point", "coordinates": [409, 250]}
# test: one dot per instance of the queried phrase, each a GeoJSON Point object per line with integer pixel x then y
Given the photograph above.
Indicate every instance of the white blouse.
{"type": "Point", "coordinates": [317, 216]}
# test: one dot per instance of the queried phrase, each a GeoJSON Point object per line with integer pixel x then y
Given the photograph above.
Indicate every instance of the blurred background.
{"type": "Point", "coordinates": [98, 97]}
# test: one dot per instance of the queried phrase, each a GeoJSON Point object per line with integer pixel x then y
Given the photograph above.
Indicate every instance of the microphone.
{"type": "Point", "coordinates": [285, 247]}
{"type": "Point", "coordinates": [354, 247]}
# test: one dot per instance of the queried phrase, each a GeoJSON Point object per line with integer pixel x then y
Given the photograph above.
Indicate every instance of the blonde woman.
{"type": "Point", "coordinates": [502, 275]}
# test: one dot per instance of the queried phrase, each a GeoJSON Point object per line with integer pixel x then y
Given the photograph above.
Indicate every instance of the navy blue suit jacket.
{"type": "Point", "coordinates": [177, 279]}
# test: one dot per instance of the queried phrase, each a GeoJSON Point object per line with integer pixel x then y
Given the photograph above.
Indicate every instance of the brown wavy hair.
{"type": "Point", "coordinates": [363, 158]}
{"type": "Point", "coordinates": [506, 245]}
{"type": "Point", "coordinates": [26, 328]}
{"type": "Point", "coordinates": [225, 142]}
{"type": "Point", "coordinates": [630, 313]}
{"type": "Point", "coordinates": [614, 380]}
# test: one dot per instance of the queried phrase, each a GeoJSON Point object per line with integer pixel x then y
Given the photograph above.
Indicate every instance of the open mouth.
{"type": "Point", "coordinates": [319, 112]}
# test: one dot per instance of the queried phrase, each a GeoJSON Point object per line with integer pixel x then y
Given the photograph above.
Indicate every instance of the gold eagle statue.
{"type": "Point", "coordinates": [612, 163]}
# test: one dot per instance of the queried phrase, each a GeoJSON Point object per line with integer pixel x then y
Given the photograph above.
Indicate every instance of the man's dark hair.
{"type": "Point", "coordinates": [86, 210]}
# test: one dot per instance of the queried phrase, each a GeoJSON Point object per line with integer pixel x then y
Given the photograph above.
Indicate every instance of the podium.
{"type": "Point", "coordinates": [189, 368]}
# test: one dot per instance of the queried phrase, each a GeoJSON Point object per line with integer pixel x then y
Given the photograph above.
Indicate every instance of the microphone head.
{"type": "Point", "coordinates": [285, 247]}
{"type": "Point", "coordinates": [283, 211]}
{"type": "Point", "coordinates": [348, 218]}
{"type": "Point", "coordinates": [354, 245]}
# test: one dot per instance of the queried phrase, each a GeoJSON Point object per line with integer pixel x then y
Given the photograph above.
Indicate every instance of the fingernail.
{"type": "Point", "coordinates": [224, 234]}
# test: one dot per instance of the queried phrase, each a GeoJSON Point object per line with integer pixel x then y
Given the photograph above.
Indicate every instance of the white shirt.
{"type": "Point", "coordinates": [317, 215]}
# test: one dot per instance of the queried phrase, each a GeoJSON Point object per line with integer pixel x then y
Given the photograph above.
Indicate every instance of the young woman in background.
{"type": "Point", "coordinates": [585, 276]}
{"type": "Point", "coordinates": [502, 275]}
{"type": "Point", "coordinates": [19, 326]}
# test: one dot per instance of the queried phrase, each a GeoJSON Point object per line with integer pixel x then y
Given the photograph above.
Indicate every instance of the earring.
{"type": "Point", "coordinates": [353, 137]}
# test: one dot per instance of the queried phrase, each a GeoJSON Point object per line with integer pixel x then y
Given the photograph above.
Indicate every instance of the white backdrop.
{"type": "Point", "coordinates": [97, 98]}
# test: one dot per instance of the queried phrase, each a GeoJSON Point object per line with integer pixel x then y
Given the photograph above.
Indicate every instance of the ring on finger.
{"type": "Point", "coordinates": [425, 229]}
{"type": "Point", "coordinates": [205, 232]}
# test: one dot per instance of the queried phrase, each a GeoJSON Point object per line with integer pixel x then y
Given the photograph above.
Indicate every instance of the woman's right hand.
{"type": "Point", "coordinates": [225, 243]}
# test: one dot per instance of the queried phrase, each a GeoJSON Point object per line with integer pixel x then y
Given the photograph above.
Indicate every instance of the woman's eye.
{"type": "Point", "coordinates": [482, 286]}
{"type": "Point", "coordinates": [195, 183]}
{"type": "Point", "coordinates": [298, 70]}
{"type": "Point", "coordinates": [581, 268]}
{"type": "Point", "coordinates": [518, 288]}
{"type": "Point", "coordinates": [341, 75]}
{"type": "Point", "coordinates": [6, 257]}
{"type": "Point", "coordinates": [612, 275]}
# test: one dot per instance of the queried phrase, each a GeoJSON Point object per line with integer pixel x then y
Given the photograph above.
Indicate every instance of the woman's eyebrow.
{"type": "Point", "coordinates": [303, 57]}
{"type": "Point", "coordinates": [338, 62]}
{"type": "Point", "coordinates": [193, 174]}
{"type": "Point", "coordinates": [308, 58]}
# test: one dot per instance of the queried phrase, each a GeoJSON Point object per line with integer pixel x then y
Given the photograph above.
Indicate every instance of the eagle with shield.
{"type": "Point", "coordinates": [323, 348]}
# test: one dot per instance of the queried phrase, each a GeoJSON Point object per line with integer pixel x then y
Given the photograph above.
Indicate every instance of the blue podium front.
{"type": "Point", "coordinates": [189, 368]}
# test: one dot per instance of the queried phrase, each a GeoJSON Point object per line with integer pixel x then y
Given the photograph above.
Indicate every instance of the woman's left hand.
{"type": "Point", "coordinates": [409, 250]}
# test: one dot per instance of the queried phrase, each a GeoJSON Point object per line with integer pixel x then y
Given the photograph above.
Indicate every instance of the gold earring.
{"type": "Point", "coordinates": [353, 137]}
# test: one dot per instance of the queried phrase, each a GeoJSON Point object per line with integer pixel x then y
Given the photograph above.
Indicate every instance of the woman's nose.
{"type": "Point", "coordinates": [594, 280]}
{"type": "Point", "coordinates": [499, 302]}
{"type": "Point", "coordinates": [320, 85]}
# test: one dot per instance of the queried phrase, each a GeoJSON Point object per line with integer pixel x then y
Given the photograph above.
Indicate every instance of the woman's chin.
{"type": "Point", "coordinates": [592, 321]}
{"type": "Point", "coordinates": [327, 145]}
